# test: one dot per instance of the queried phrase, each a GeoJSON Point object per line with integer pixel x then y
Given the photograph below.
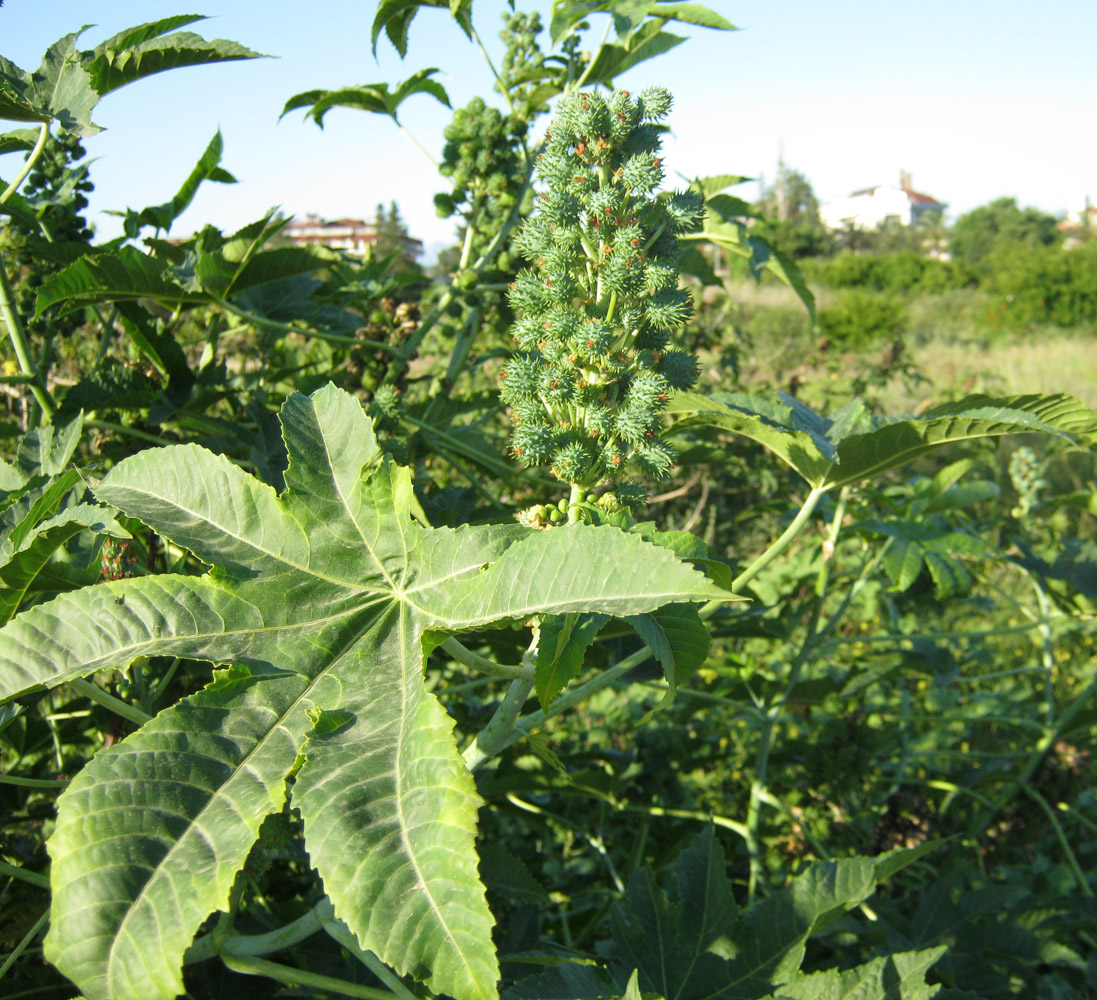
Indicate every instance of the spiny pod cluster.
{"type": "Point", "coordinates": [600, 303]}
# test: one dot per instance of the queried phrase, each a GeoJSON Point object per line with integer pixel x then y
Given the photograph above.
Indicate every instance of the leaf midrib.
{"type": "Point", "coordinates": [409, 640]}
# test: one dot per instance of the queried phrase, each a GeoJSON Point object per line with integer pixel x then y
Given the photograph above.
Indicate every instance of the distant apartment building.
{"type": "Point", "coordinates": [871, 208]}
{"type": "Point", "coordinates": [352, 235]}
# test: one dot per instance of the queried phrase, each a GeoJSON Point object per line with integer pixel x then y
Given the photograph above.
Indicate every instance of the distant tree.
{"type": "Point", "coordinates": [393, 237]}
{"type": "Point", "coordinates": [979, 233]}
{"type": "Point", "coordinates": [791, 216]}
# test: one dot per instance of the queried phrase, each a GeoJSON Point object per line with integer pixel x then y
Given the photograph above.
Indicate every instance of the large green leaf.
{"type": "Point", "coordinates": [892, 977]}
{"type": "Point", "coordinates": [145, 50]}
{"type": "Point", "coordinates": [122, 275]}
{"type": "Point", "coordinates": [321, 597]}
{"type": "Point", "coordinates": [852, 445]}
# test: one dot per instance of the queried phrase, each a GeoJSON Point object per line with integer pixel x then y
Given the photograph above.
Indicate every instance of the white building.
{"type": "Point", "coordinates": [872, 207]}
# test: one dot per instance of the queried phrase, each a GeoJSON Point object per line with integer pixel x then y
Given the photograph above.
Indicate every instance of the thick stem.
{"type": "Point", "coordinates": [465, 656]}
{"type": "Point", "coordinates": [774, 713]}
{"type": "Point", "coordinates": [108, 701]}
{"type": "Point", "coordinates": [497, 734]}
{"type": "Point", "coordinates": [18, 336]}
{"type": "Point", "coordinates": [297, 977]}
{"type": "Point", "coordinates": [259, 944]}
{"type": "Point", "coordinates": [14, 871]}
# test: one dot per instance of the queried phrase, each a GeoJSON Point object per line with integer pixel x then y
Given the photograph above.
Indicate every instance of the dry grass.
{"type": "Point", "coordinates": [946, 344]}
{"type": "Point", "coordinates": [1044, 362]}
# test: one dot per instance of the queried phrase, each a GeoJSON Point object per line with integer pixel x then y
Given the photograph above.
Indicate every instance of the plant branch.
{"type": "Point", "coordinates": [130, 712]}
{"type": "Point", "coordinates": [497, 734]}
{"type": "Point", "coordinates": [463, 655]}
{"type": "Point", "coordinates": [14, 871]}
{"type": "Point", "coordinates": [21, 345]}
{"type": "Point", "coordinates": [28, 165]}
{"type": "Point", "coordinates": [781, 543]}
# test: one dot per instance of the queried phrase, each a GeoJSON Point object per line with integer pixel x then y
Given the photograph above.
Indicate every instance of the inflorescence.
{"type": "Point", "coordinates": [597, 309]}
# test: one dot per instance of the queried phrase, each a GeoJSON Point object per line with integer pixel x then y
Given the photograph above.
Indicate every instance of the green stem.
{"type": "Point", "coordinates": [463, 655]}
{"type": "Point", "coordinates": [1034, 757]}
{"type": "Point", "coordinates": [54, 783]}
{"type": "Point", "coordinates": [466, 245]}
{"type": "Point", "coordinates": [339, 932]}
{"type": "Point", "coordinates": [108, 701]}
{"type": "Point", "coordinates": [935, 636]}
{"type": "Point", "coordinates": [575, 511]}
{"type": "Point", "coordinates": [259, 944]}
{"type": "Point", "coordinates": [18, 336]}
{"type": "Point", "coordinates": [534, 720]}
{"type": "Point", "coordinates": [773, 715]}
{"type": "Point", "coordinates": [1047, 651]}
{"type": "Point", "coordinates": [22, 945]}
{"type": "Point", "coordinates": [415, 142]}
{"type": "Point", "coordinates": [411, 345]}
{"type": "Point", "coordinates": [28, 165]}
{"type": "Point", "coordinates": [491, 66]}
{"type": "Point", "coordinates": [296, 977]}
{"type": "Point", "coordinates": [594, 56]}
{"type": "Point", "coordinates": [14, 871]}
{"type": "Point", "coordinates": [779, 546]}
{"type": "Point", "coordinates": [498, 733]}
{"type": "Point", "coordinates": [1072, 860]}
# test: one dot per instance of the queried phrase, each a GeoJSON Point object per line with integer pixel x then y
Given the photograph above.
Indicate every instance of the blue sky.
{"type": "Point", "coordinates": [975, 99]}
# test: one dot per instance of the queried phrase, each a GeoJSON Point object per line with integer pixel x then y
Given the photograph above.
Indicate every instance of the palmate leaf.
{"type": "Point", "coordinates": [852, 445]}
{"type": "Point", "coordinates": [320, 599]}
{"type": "Point", "coordinates": [373, 97]}
{"type": "Point", "coordinates": [692, 942]}
{"type": "Point", "coordinates": [122, 275]}
{"type": "Point", "coordinates": [893, 977]}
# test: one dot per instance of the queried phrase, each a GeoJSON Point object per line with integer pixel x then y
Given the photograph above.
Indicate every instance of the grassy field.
{"type": "Point", "coordinates": [945, 342]}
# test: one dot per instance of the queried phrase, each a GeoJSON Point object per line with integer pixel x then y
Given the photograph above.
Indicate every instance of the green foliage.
{"type": "Point", "coordinates": [299, 687]}
{"type": "Point", "coordinates": [339, 670]}
{"type": "Point", "coordinates": [982, 231]}
{"type": "Point", "coordinates": [856, 320]}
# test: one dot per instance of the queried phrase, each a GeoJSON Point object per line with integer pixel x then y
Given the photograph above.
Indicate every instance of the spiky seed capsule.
{"type": "Point", "coordinates": [519, 379]}
{"type": "Point", "coordinates": [679, 369]}
{"type": "Point", "coordinates": [533, 444]}
{"type": "Point", "coordinates": [571, 463]}
{"type": "Point", "coordinates": [656, 458]}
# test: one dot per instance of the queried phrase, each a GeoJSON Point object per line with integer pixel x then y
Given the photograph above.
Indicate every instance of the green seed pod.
{"type": "Point", "coordinates": [679, 369]}
{"type": "Point", "coordinates": [520, 379]}
{"type": "Point", "coordinates": [571, 463]}
{"type": "Point", "coordinates": [533, 444]}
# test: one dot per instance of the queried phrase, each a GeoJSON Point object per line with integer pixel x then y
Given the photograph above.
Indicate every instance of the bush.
{"type": "Point", "coordinates": [1045, 284]}
{"type": "Point", "coordinates": [859, 319]}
